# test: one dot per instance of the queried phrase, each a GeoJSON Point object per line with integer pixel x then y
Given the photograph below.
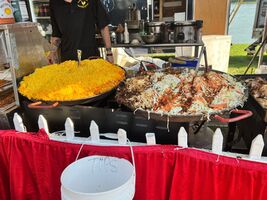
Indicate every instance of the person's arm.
{"type": "Point", "coordinates": [55, 28]}
{"type": "Point", "coordinates": [56, 36]}
{"type": "Point", "coordinates": [106, 37]}
{"type": "Point", "coordinates": [102, 21]}
{"type": "Point", "coordinates": [55, 41]}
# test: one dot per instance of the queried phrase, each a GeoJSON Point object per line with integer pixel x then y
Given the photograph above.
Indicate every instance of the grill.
{"type": "Point", "coordinates": [108, 115]}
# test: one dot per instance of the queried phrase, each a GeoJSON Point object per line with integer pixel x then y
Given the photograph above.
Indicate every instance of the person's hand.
{"type": "Point", "coordinates": [53, 57]}
{"type": "Point", "coordinates": [110, 58]}
{"type": "Point", "coordinates": [109, 55]}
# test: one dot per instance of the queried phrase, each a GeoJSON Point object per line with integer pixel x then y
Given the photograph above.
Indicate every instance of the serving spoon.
{"type": "Point", "coordinates": [79, 55]}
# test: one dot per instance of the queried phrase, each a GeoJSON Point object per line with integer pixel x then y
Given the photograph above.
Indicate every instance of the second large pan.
{"type": "Point", "coordinates": [192, 117]}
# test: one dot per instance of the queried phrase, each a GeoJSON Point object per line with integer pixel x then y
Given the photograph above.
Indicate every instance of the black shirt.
{"type": "Point", "coordinates": [75, 24]}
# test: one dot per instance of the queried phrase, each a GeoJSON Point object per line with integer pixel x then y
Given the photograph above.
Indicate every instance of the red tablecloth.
{"type": "Point", "coordinates": [31, 165]}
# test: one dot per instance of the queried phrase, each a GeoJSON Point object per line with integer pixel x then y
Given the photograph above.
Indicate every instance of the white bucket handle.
{"type": "Point", "coordinates": [115, 137]}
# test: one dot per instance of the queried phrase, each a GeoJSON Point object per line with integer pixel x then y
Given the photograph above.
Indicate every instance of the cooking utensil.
{"type": "Point", "coordinates": [79, 55]}
{"type": "Point", "coordinates": [154, 27]}
{"type": "Point", "coordinates": [195, 117]}
{"type": "Point", "coordinates": [166, 32]}
{"type": "Point", "coordinates": [151, 39]}
{"type": "Point", "coordinates": [187, 32]}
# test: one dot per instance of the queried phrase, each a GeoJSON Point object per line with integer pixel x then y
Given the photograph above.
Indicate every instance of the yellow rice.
{"type": "Point", "coordinates": [67, 81]}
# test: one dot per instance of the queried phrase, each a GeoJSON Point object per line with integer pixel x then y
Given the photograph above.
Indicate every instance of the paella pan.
{"type": "Point", "coordinates": [184, 95]}
{"type": "Point", "coordinates": [70, 84]}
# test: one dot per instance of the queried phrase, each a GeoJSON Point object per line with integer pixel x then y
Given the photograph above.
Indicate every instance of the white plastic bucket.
{"type": "Point", "coordinates": [218, 51]}
{"type": "Point", "coordinates": [98, 178]}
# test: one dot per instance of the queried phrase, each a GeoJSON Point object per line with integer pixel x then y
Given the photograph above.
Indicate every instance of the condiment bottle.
{"type": "Point", "coordinates": [113, 38]}
{"type": "Point", "coordinates": [45, 10]}
{"type": "Point", "coordinates": [126, 34]}
{"type": "Point", "coordinates": [41, 10]}
{"type": "Point", "coordinates": [36, 10]}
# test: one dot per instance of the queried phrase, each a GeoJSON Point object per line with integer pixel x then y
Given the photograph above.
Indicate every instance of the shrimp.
{"type": "Point", "coordinates": [215, 81]}
{"type": "Point", "coordinates": [200, 85]}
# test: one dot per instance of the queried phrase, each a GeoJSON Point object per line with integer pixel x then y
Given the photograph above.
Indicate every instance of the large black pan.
{"type": "Point", "coordinates": [40, 104]}
{"type": "Point", "coordinates": [51, 104]}
{"type": "Point", "coordinates": [195, 117]}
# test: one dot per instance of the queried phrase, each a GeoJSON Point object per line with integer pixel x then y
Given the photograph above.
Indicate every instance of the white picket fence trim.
{"type": "Point", "coordinates": [18, 123]}
{"type": "Point", "coordinates": [94, 131]}
{"type": "Point", "coordinates": [256, 149]}
{"type": "Point", "coordinates": [182, 138]}
{"type": "Point", "coordinates": [42, 123]}
{"type": "Point", "coordinates": [122, 137]}
{"type": "Point", "coordinates": [151, 139]}
{"type": "Point", "coordinates": [217, 141]}
{"type": "Point", "coordinates": [69, 128]}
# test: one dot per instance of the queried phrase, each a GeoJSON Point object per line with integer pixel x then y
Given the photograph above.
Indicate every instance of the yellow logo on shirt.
{"type": "Point", "coordinates": [83, 3]}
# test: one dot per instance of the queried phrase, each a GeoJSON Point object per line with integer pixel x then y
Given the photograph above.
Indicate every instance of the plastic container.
{"type": "Point", "coordinates": [261, 70]}
{"type": "Point", "coordinates": [98, 178]}
{"type": "Point", "coordinates": [218, 51]}
{"type": "Point", "coordinates": [6, 12]}
{"type": "Point", "coordinates": [184, 61]}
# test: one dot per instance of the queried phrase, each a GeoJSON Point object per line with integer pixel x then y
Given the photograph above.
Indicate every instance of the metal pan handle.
{"type": "Point", "coordinates": [93, 57]}
{"type": "Point", "coordinates": [37, 105]}
{"type": "Point", "coordinates": [243, 115]}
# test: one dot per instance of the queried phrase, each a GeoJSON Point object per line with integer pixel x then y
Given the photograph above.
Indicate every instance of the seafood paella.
{"type": "Point", "coordinates": [258, 88]}
{"type": "Point", "coordinates": [174, 92]}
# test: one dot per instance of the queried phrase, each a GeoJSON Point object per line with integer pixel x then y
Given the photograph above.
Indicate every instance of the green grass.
{"type": "Point", "coordinates": [239, 60]}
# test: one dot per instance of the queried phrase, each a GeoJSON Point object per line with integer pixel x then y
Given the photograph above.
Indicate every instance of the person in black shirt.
{"type": "Point", "coordinates": [74, 25]}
